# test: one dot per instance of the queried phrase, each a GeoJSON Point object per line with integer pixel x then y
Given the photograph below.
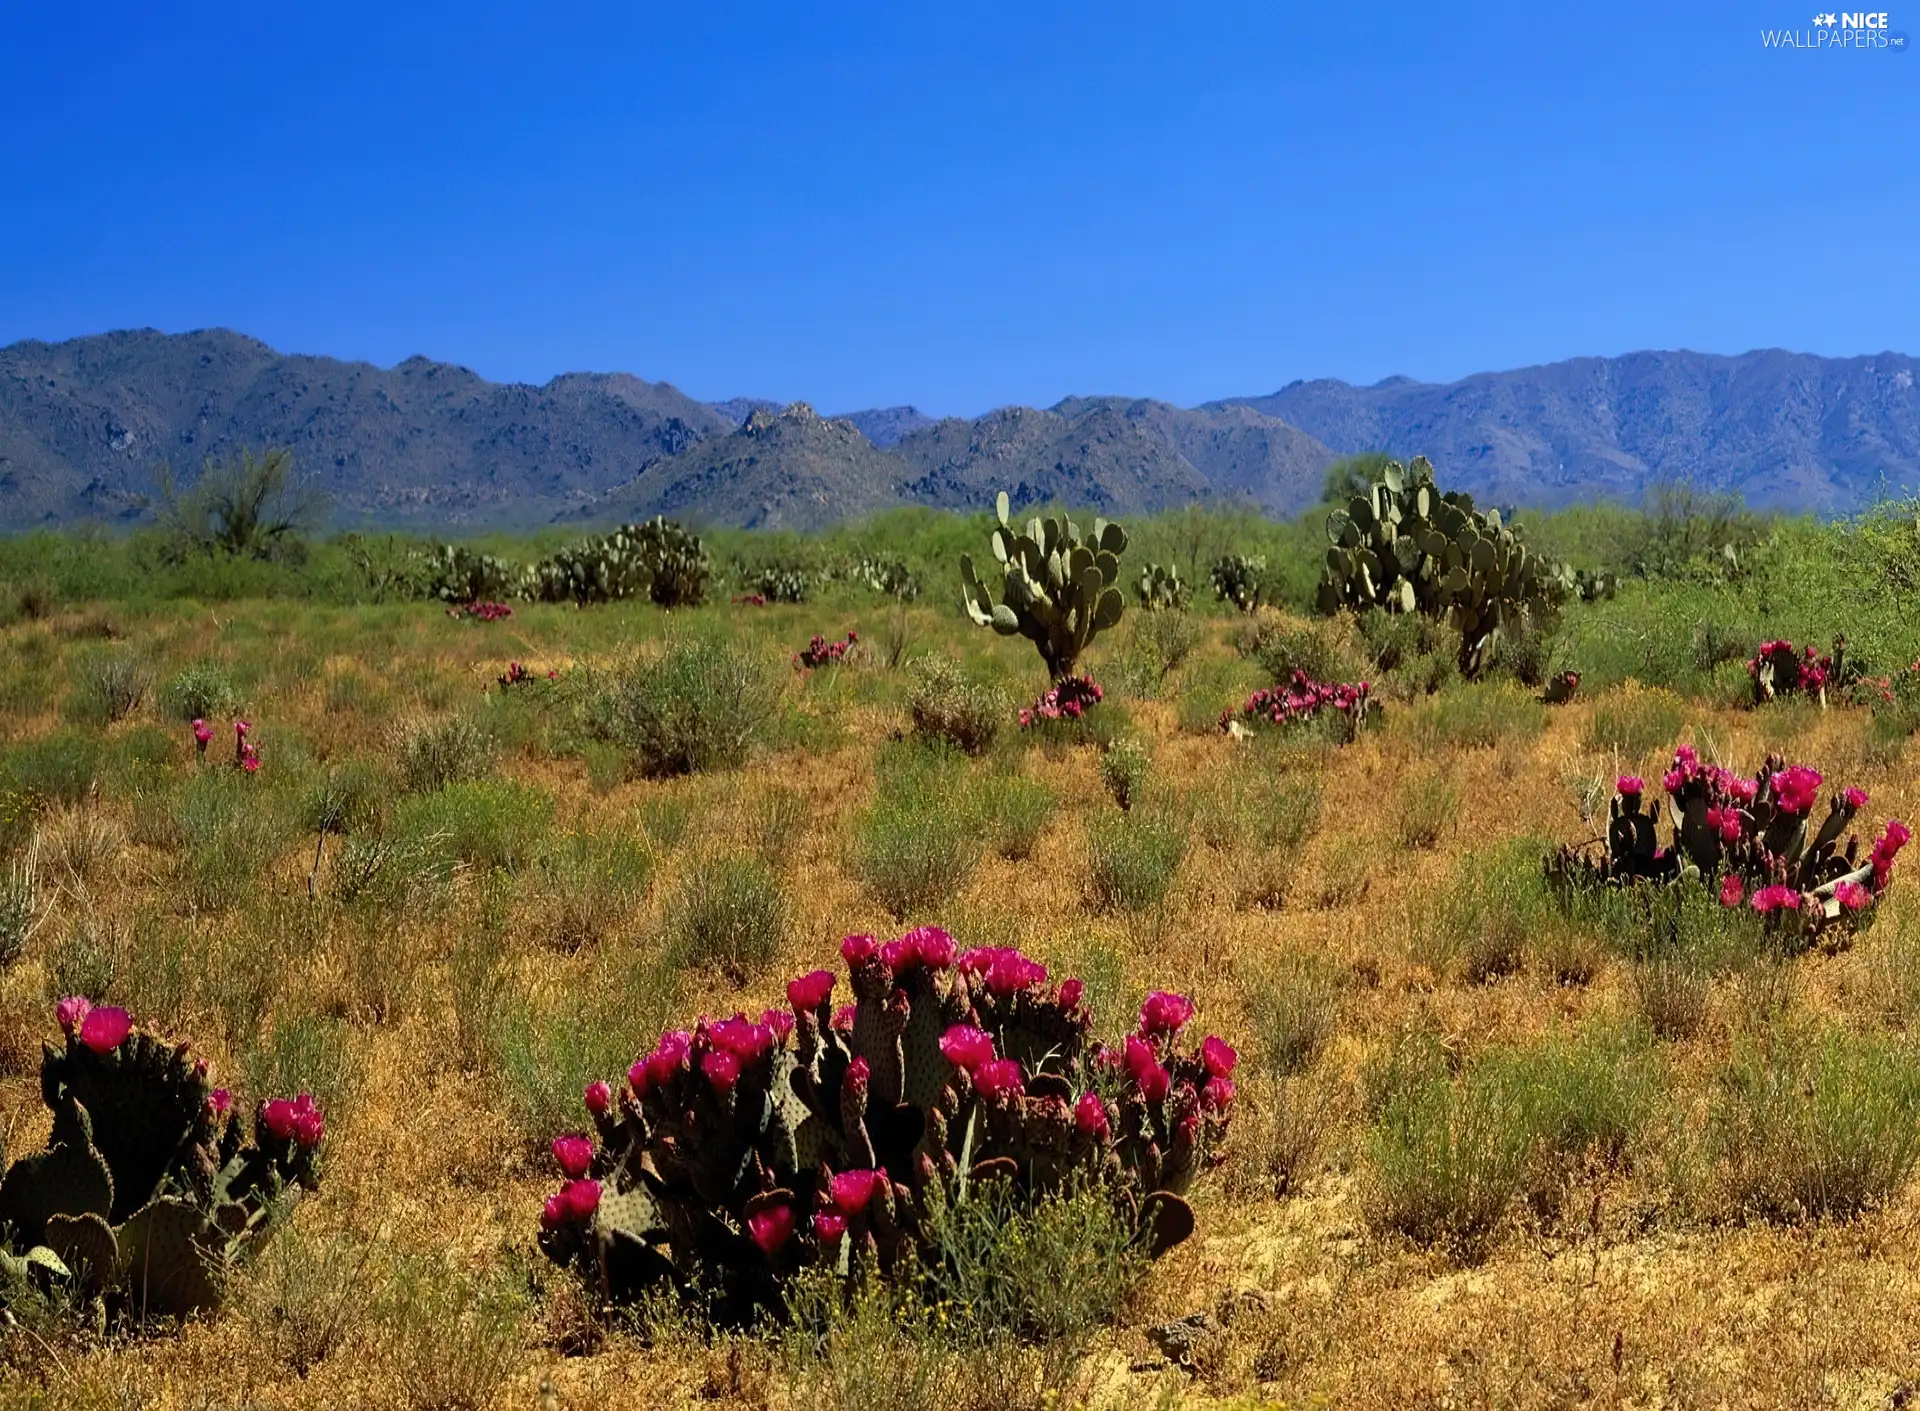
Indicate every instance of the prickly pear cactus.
{"type": "Point", "coordinates": [608, 569]}
{"type": "Point", "coordinates": [742, 1151]}
{"type": "Point", "coordinates": [1240, 580]}
{"type": "Point", "coordinates": [1751, 840]}
{"type": "Point", "coordinates": [676, 560]}
{"type": "Point", "coordinates": [146, 1194]}
{"type": "Point", "coordinates": [1406, 546]}
{"type": "Point", "coordinates": [1057, 589]}
{"type": "Point", "coordinates": [457, 574]}
{"type": "Point", "coordinates": [1162, 589]}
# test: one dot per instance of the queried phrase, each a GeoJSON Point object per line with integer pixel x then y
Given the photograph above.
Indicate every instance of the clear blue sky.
{"type": "Point", "coordinates": [959, 204]}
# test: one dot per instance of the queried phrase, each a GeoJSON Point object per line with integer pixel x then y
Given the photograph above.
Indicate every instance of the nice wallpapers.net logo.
{"type": "Point", "coordinates": [1860, 31]}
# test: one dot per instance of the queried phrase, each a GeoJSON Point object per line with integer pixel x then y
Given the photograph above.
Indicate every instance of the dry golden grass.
{"type": "Point", "coordinates": [411, 1281]}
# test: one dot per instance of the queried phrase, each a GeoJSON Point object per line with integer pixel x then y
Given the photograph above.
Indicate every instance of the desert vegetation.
{"type": "Point", "coordinates": [1463, 959]}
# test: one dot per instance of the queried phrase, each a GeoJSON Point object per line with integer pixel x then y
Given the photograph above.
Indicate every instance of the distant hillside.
{"type": "Point", "coordinates": [1783, 429]}
{"type": "Point", "coordinates": [85, 424]}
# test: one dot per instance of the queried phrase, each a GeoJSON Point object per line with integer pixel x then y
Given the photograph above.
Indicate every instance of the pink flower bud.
{"type": "Point", "coordinates": [722, 1070]}
{"type": "Point", "coordinates": [777, 1022]}
{"type": "Point", "coordinates": [852, 1191]}
{"type": "Point", "coordinates": [770, 1228]}
{"type": "Point", "coordinates": [1217, 1095]}
{"type": "Point", "coordinates": [574, 1153]}
{"type": "Point", "coordinates": [999, 1079]}
{"type": "Point", "coordinates": [1732, 890]}
{"type": "Point", "coordinates": [1090, 1116]}
{"type": "Point", "coordinates": [829, 1227]}
{"type": "Point", "coordinates": [1218, 1055]}
{"type": "Point", "coordinates": [72, 1013]}
{"type": "Point", "coordinates": [219, 1103]}
{"type": "Point", "coordinates": [843, 1017]}
{"type": "Point", "coordinates": [599, 1098]}
{"type": "Point", "coordinates": [858, 950]}
{"type": "Point", "coordinates": [1071, 992]}
{"type": "Point", "coordinates": [1856, 799]}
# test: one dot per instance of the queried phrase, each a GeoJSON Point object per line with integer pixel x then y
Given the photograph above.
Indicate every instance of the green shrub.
{"type": "Point", "coordinates": [1293, 1008]}
{"type": "Point", "coordinates": [1811, 1127]}
{"type": "Point", "coordinates": [1583, 1098]}
{"type": "Point", "coordinates": [1013, 811]}
{"type": "Point", "coordinates": [1418, 654]}
{"type": "Point", "coordinates": [1635, 722]}
{"type": "Point", "coordinates": [56, 769]}
{"type": "Point", "coordinates": [947, 705]}
{"type": "Point", "coordinates": [1482, 922]}
{"type": "Point", "coordinates": [918, 842]}
{"type": "Point", "coordinates": [306, 1052]}
{"type": "Point", "coordinates": [586, 885]}
{"type": "Point", "coordinates": [485, 823]}
{"type": "Point", "coordinates": [1134, 857]}
{"type": "Point", "coordinates": [1476, 716]}
{"type": "Point", "coordinates": [1156, 645]}
{"type": "Point", "coordinates": [1124, 768]}
{"type": "Point", "coordinates": [1428, 808]}
{"type": "Point", "coordinates": [109, 684]}
{"type": "Point", "coordinates": [1448, 1158]}
{"type": "Point", "coordinates": [729, 913]}
{"type": "Point", "coordinates": [701, 704]}
{"type": "Point", "coordinates": [1322, 650]}
{"type": "Point", "coordinates": [20, 907]}
{"type": "Point", "coordinates": [778, 822]}
{"type": "Point", "coordinates": [434, 753]}
{"type": "Point", "coordinates": [200, 691]}
{"type": "Point", "coordinates": [443, 1338]}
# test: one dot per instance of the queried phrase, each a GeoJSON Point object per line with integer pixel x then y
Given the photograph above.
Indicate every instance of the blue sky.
{"type": "Point", "coordinates": [959, 205]}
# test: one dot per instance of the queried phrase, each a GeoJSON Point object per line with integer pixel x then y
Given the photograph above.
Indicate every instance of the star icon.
{"type": "Point", "coordinates": [1829, 20]}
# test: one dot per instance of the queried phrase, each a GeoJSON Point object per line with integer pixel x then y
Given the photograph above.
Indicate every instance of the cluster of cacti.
{"type": "Point", "coordinates": [742, 1152]}
{"type": "Point", "coordinates": [773, 583]}
{"type": "Point", "coordinates": [608, 569]}
{"type": "Point", "coordinates": [1590, 585]}
{"type": "Point", "coordinates": [1056, 589]}
{"type": "Point", "coordinates": [456, 574]}
{"type": "Point", "coordinates": [1749, 839]}
{"type": "Point", "coordinates": [890, 576]}
{"type": "Point", "coordinates": [1301, 699]}
{"type": "Point", "coordinates": [1240, 580]}
{"type": "Point", "coordinates": [147, 1193]}
{"type": "Point", "coordinates": [1069, 699]}
{"type": "Point", "coordinates": [481, 611]}
{"type": "Point", "coordinates": [1778, 668]}
{"type": "Point", "coordinates": [1160, 589]}
{"type": "Point", "coordinates": [1408, 547]}
{"type": "Point", "coordinates": [821, 652]}
{"type": "Point", "coordinates": [676, 559]}
{"type": "Point", "coordinates": [518, 673]}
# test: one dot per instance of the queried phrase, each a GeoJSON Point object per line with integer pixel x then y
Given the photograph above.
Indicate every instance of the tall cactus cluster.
{"type": "Point", "coordinates": [1162, 589]}
{"type": "Point", "coordinates": [742, 1152]}
{"type": "Point", "coordinates": [1240, 580]}
{"type": "Point", "coordinates": [1752, 840]}
{"type": "Point", "coordinates": [1406, 546]}
{"type": "Point", "coordinates": [1778, 669]}
{"type": "Point", "coordinates": [148, 1191]}
{"type": "Point", "coordinates": [1057, 588]}
{"type": "Point", "coordinates": [658, 560]}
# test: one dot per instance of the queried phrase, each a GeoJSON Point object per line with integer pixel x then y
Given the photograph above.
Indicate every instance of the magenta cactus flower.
{"type": "Point", "coordinates": [828, 1227]}
{"type": "Point", "coordinates": [1165, 1013]}
{"type": "Point", "coordinates": [598, 1097]}
{"type": "Point", "coordinates": [967, 1047]}
{"type": "Point", "coordinates": [277, 1116]}
{"type": "Point", "coordinates": [810, 991]}
{"type": "Point", "coordinates": [1217, 1095]}
{"type": "Point", "coordinates": [72, 1013]}
{"type": "Point", "coordinates": [1851, 896]}
{"type": "Point", "coordinates": [852, 1191]}
{"type": "Point", "coordinates": [998, 1079]}
{"type": "Point", "coordinates": [105, 1028]}
{"type": "Point", "coordinates": [1632, 785]}
{"type": "Point", "coordinates": [1855, 798]}
{"type": "Point", "coordinates": [1796, 788]}
{"type": "Point", "coordinates": [722, 1070]}
{"type": "Point", "coordinates": [1732, 890]}
{"type": "Point", "coordinates": [1219, 1057]}
{"type": "Point", "coordinates": [778, 1022]}
{"type": "Point", "coordinates": [858, 950]}
{"type": "Point", "coordinates": [1769, 900]}
{"type": "Point", "coordinates": [573, 1152]}
{"type": "Point", "coordinates": [771, 1228]}
{"type": "Point", "coordinates": [1071, 992]}
{"type": "Point", "coordinates": [574, 1204]}
{"type": "Point", "coordinates": [843, 1018]}
{"type": "Point", "coordinates": [219, 1103]}
{"type": "Point", "coordinates": [1090, 1116]}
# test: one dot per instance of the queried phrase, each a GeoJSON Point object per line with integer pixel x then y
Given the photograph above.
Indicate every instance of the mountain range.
{"type": "Point", "coordinates": [85, 424]}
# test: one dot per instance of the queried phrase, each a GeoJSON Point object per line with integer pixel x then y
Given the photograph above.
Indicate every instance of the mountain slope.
{"type": "Point", "coordinates": [1784, 429]}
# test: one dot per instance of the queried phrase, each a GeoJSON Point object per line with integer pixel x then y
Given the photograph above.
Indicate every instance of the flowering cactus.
{"type": "Point", "coordinates": [481, 611]}
{"type": "Point", "coordinates": [146, 1193]}
{"type": "Point", "coordinates": [744, 1150]}
{"type": "Point", "coordinates": [820, 652]}
{"type": "Point", "coordinates": [1067, 699]}
{"type": "Point", "coordinates": [1303, 699]}
{"type": "Point", "coordinates": [246, 755]}
{"type": "Point", "coordinates": [1778, 668]}
{"type": "Point", "coordinates": [1751, 839]}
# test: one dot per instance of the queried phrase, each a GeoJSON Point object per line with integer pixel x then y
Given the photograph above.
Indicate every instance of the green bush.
{"type": "Point", "coordinates": [1428, 808]}
{"type": "Point", "coordinates": [947, 705]}
{"type": "Point", "coordinates": [434, 753]}
{"type": "Point", "coordinates": [485, 823]}
{"type": "Point", "coordinates": [1481, 924]}
{"type": "Point", "coordinates": [729, 913]}
{"type": "Point", "coordinates": [1811, 1127]}
{"type": "Point", "coordinates": [701, 704]}
{"type": "Point", "coordinates": [587, 884]}
{"type": "Point", "coordinates": [1477, 716]}
{"type": "Point", "coordinates": [919, 841]}
{"type": "Point", "coordinates": [1124, 767]}
{"type": "Point", "coordinates": [109, 684]}
{"type": "Point", "coordinates": [56, 769]}
{"type": "Point", "coordinates": [1013, 812]}
{"type": "Point", "coordinates": [1634, 723]}
{"type": "Point", "coordinates": [200, 691]}
{"type": "Point", "coordinates": [1134, 857]}
{"type": "Point", "coordinates": [1293, 1008]}
{"type": "Point", "coordinates": [1324, 651]}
